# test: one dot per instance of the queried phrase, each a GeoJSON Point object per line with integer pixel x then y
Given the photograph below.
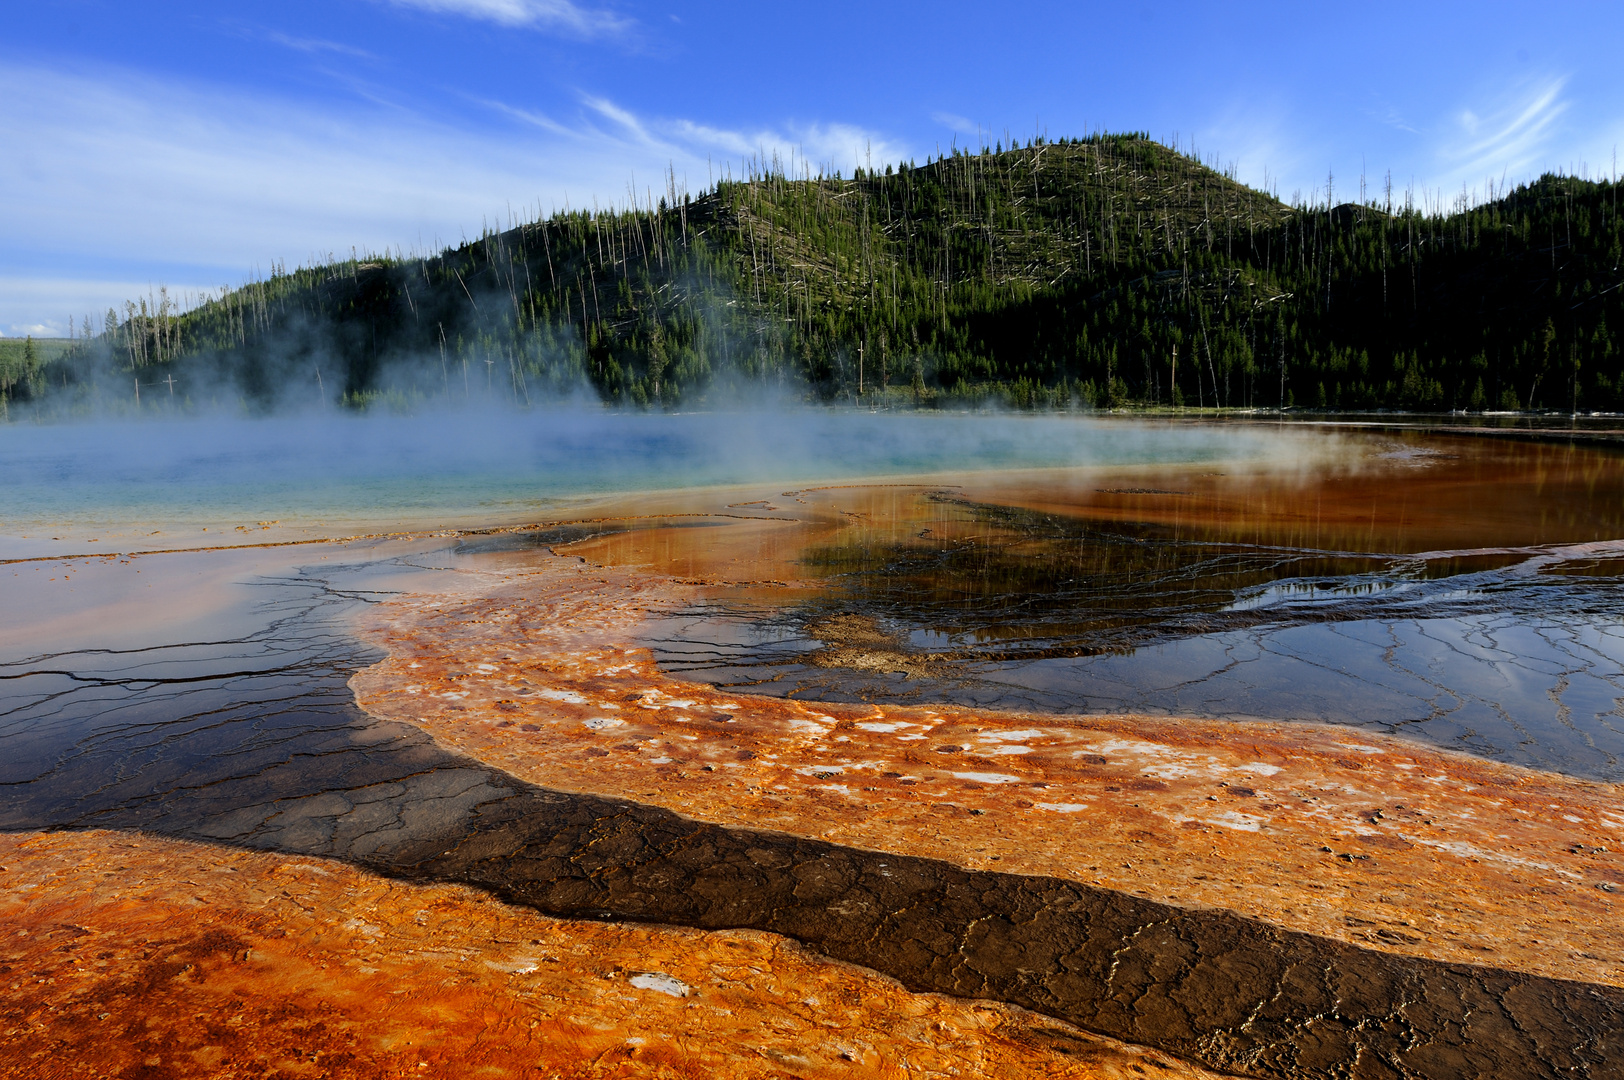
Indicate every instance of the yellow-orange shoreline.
{"type": "Point", "coordinates": [132, 955]}
{"type": "Point", "coordinates": [1367, 839]}
{"type": "Point", "coordinates": [530, 662]}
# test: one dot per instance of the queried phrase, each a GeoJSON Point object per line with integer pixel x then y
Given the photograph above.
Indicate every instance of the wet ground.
{"type": "Point", "coordinates": [888, 757]}
{"type": "Point", "coordinates": [1463, 592]}
{"type": "Point", "coordinates": [129, 955]}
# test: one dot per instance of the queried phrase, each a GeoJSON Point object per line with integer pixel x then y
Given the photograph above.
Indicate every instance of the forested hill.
{"type": "Point", "coordinates": [1098, 271]}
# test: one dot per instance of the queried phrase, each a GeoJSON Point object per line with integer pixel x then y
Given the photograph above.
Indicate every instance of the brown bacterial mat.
{"type": "Point", "coordinates": [1321, 898]}
{"type": "Point", "coordinates": [534, 851]}
{"type": "Point", "coordinates": [127, 955]}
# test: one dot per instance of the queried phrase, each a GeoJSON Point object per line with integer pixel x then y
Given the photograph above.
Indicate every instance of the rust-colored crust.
{"type": "Point", "coordinates": [1364, 839]}
{"type": "Point", "coordinates": [133, 956]}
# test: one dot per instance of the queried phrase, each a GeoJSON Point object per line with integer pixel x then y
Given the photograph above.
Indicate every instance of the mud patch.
{"type": "Point", "coordinates": [860, 643]}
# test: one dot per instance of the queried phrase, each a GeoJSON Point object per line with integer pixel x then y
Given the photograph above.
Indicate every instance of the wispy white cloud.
{"type": "Point", "coordinates": [818, 147]}
{"type": "Point", "coordinates": [1388, 115]}
{"type": "Point", "coordinates": [116, 167]}
{"type": "Point", "coordinates": [527, 116]}
{"type": "Point", "coordinates": [1506, 136]}
{"type": "Point", "coordinates": [1509, 136]}
{"type": "Point", "coordinates": [112, 168]}
{"type": "Point", "coordinates": [533, 14]}
{"type": "Point", "coordinates": [955, 122]}
{"type": "Point", "coordinates": [615, 114]}
{"type": "Point", "coordinates": [134, 168]}
{"type": "Point", "coordinates": [316, 45]}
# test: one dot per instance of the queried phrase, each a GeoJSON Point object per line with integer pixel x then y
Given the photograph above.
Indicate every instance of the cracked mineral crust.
{"type": "Point", "coordinates": [1351, 836]}
{"type": "Point", "coordinates": [128, 955]}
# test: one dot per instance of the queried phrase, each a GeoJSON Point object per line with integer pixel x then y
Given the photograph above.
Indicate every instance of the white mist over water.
{"type": "Point", "coordinates": [420, 471]}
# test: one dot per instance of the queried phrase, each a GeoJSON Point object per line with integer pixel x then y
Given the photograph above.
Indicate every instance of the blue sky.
{"type": "Point", "coordinates": [192, 145]}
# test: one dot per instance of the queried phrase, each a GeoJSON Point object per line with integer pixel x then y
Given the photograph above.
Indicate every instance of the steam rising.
{"type": "Point", "coordinates": [418, 471]}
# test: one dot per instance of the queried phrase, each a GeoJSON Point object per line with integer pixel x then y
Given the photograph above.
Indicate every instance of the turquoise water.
{"type": "Point", "coordinates": [1515, 660]}
{"type": "Point", "coordinates": [417, 471]}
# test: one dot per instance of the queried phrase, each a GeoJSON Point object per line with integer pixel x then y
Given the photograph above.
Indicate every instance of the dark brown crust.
{"type": "Point", "coordinates": [1228, 992]}
{"type": "Point", "coordinates": [198, 961]}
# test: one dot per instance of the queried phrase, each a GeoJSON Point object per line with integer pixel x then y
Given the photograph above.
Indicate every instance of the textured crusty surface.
{"type": "Point", "coordinates": [1330, 904]}
{"type": "Point", "coordinates": [1229, 992]}
{"type": "Point", "coordinates": [1362, 839]}
{"type": "Point", "coordinates": [133, 956]}
{"type": "Point", "coordinates": [1271, 899]}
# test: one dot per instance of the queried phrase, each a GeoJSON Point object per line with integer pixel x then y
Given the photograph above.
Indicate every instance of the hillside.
{"type": "Point", "coordinates": [23, 361]}
{"type": "Point", "coordinates": [1095, 271]}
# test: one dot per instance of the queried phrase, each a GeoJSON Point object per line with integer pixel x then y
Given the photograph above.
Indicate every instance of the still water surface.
{"type": "Point", "coordinates": [1463, 591]}
{"type": "Point", "coordinates": [468, 468]}
{"type": "Point", "coordinates": [1458, 590]}
{"type": "Point", "coordinates": [174, 689]}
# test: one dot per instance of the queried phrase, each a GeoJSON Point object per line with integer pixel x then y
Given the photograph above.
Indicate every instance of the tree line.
{"type": "Point", "coordinates": [1100, 271]}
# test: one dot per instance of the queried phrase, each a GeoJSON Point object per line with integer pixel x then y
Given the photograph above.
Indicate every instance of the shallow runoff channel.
{"type": "Point", "coordinates": [203, 694]}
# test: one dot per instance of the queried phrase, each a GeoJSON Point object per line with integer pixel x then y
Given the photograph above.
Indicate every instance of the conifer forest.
{"type": "Point", "coordinates": [1099, 272]}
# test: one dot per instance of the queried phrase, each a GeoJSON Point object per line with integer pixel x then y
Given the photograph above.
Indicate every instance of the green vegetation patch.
{"type": "Point", "coordinates": [1096, 271]}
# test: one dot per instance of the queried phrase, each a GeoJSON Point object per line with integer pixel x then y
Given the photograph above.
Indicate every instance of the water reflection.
{"type": "Point", "coordinates": [1466, 592]}
{"type": "Point", "coordinates": [189, 718]}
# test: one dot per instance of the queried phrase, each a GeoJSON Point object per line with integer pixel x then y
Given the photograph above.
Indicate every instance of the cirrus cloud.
{"type": "Point", "coordinates": [119, 179]}
{"type": "Point", "coordinates": [1511, 136]}
{"type": "Point", "coordinates": [531, 14]}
